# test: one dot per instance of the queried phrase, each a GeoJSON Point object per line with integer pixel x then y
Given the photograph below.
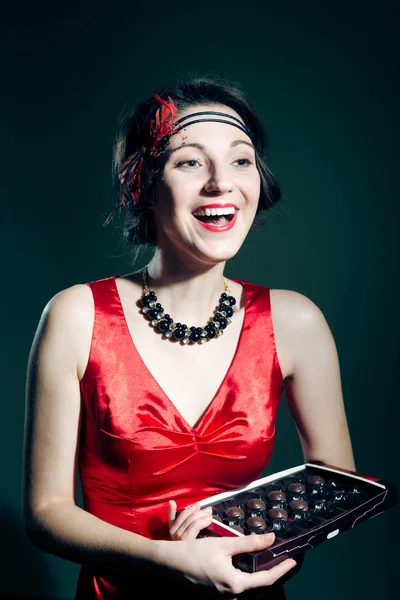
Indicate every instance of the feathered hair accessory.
{"type": "Point", "coordinates": [160, 129]}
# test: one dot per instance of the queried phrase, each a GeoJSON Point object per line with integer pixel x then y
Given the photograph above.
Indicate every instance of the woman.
{"type": "Point", "coordinates": [131, 380]}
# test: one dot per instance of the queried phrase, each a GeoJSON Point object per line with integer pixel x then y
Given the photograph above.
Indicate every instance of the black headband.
{"type": "Point", "coordinates": [239, 124]}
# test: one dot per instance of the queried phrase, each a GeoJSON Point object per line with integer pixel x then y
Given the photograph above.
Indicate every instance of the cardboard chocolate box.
{"type": "Point", "coordinates": [304, 506]}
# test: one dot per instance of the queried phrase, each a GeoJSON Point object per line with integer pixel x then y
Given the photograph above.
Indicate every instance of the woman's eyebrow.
{"type": "Point", "coordinates": [202, 147]}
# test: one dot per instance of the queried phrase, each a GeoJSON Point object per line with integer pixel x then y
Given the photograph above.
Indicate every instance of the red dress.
{"type": "Point", "coordinates": [137, 451]}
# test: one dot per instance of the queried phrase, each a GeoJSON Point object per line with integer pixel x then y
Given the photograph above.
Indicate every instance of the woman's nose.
{"type": "Point", "coordinates": [218, 181]}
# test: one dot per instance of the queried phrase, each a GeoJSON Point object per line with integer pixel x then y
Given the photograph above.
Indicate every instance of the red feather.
{"type": "Point", "coordinates": [164, 120]}
{"type": "Point", "coordinates": [161, 126]}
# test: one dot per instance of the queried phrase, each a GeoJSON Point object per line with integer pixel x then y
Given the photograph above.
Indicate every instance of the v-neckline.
{"type": "Point", "coordinates": [239, 344]}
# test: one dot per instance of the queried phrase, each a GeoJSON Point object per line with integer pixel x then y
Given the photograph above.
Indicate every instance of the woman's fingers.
{"type": "Point", "coordinates": [193, 523]}
{"type": "Point", "coordinates": [251, 543]}
{"type": "Point", "coordinates": [268, 577]}
{"type": "Point", "coordinates": [171, 512]}
{"type": "Point", "coordinates": [185, 514]}
{"type": "Point", "coordinates": [189, 522]}
{"type": "Point", "coordinates": [192, 527]}
{"type": "Point", "coordinates": [254, 543]}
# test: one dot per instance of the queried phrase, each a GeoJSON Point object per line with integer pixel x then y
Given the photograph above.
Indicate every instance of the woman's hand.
{"type": "Point", "coordinates": [213, 561]}
{"type": "Point", "coordinates": [209, 560]}
{"type": "Point", "coordinates": [188, 524]}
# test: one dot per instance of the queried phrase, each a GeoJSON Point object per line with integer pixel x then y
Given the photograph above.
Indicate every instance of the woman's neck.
{"type": "Point", "coordinates": [188, 293]}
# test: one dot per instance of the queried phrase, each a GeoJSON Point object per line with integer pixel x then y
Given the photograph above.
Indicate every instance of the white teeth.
{"type": "Point", "coordinates": [210, 212]}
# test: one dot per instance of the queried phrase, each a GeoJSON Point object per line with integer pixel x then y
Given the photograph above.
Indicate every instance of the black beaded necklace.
{"type": "Point", "coordinates": [181, 332]}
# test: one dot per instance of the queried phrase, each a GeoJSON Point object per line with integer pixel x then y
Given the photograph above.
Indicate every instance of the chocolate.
{"type": "Point", "coordinates": [276, 496]}
{"type": "Point", "coordinates": [318, 505]}
{"type": "Point", "coordinates": [234, 512]}
{"type": "Point", "coordinates": [297, 489]}
{"type": "Point", "coordinates": [278, 514]}
{"type": "Point", "coordinates": [354, 496]}
{"type": "Point", "coordinates": [332, 483]}
{"type": "Point", "coordinates": [298, 506]}
{"type": "Point", "coordinates": [256, 524]}
{"type": "Point", "coordinates": [237, 528]}
{"type": "Point", "coordinates": [338, 496]}
{"type": "Point", "coordinates": [315, 480]}
{"type": "Point", "coordinates": [256, 505]}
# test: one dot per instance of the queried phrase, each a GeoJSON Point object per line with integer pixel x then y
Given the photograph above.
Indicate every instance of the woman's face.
{"type": "Point", "coordinates": [210, 167]}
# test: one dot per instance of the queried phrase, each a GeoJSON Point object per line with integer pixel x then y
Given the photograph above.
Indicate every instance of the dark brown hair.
{"type": "Point", "coordinates": [138, 228]}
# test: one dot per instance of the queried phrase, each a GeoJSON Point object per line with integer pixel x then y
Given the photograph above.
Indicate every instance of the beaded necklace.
{"type": "Point", "coordinates": [164, 323]}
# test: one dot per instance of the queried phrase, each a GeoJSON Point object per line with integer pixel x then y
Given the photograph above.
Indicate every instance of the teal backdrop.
{"type": "Point", "coordinates": [324, 77]}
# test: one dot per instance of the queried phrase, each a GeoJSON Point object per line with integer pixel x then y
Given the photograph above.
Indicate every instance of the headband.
{"type": "Point", "coordinates": [228, 119]}
{"type": "Point", "coordinates": [162, 127]}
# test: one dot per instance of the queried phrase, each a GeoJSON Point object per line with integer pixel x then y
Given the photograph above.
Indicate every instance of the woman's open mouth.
{"type": "Point", "coordinates": [216, 219]}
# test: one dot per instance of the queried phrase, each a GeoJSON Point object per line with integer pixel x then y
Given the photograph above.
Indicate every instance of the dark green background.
{"type": "Point", "coordinates": [324, 77]}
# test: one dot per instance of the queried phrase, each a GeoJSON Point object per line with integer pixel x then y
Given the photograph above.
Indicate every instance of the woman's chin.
{"type": "Point", "coordinates": [217, 251]}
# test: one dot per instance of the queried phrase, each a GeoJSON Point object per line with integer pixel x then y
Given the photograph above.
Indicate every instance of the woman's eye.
{"type": "Point", "coordinates": [188, 163]}
{"type": "Point", "coordinates": [243, 162]}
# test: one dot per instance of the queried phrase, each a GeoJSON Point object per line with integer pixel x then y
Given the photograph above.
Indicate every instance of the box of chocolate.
{"type": "Point", "coordinates": [304, 506]}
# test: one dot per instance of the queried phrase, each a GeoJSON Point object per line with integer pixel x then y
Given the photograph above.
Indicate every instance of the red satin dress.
{"type": "Point", "coordinates": [137, 451]}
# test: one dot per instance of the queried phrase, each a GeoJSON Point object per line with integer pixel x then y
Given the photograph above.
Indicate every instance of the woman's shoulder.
{"type": "Point", "coordinates": [297, 305]}
{"type": "Point", "coordinates": [76, 298]}
{"type": "Point", "coordinates": [295, 316]}
{"type": "Point", "coordinates": [285, 299]}
{"type": "Point", "coordinates": [285, 303]}
{"type": "Point", "coordinates": [293, 301]}
{"type": "Point", "coordinates": [70, 309]}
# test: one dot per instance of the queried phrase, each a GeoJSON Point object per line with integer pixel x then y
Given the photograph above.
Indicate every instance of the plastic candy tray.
{"type": "Point", "coordinates": [304, 506]}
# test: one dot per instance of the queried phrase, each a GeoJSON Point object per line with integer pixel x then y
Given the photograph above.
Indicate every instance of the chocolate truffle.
{"type": "Point", "coordinates": [315, 480]}
{"type": "Point", "coordinates": [276, 496]}
{"type": "Point", "coordinates": [297, 488]}
{"type": "Point", "coordinates": [256, 505]}
{"type": "Point", "coordinates": [298, 506]}
{"type": "Point", "coordinates": [318, 505]}
{"type": "Point", "coordinates": [256, 524]}
{"type": "Point", "coordinates": [278, 514]}
{"type": "Point", "coordinates": [353, 496]}
{"type": "Point", "coordinates": [338, 496]}
{"type": "Point", "coordinates": [234, 512]}
{"type": "Point", "coordinates": [332, 483]}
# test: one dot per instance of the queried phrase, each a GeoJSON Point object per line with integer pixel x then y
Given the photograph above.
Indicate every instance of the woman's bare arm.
{"type": "Point", "coordinates": [313, 386]}
{"type": "Point", "coordinates": [53, 521]}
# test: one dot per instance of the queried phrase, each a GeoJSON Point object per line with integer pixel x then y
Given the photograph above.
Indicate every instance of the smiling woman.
{"type": "Point", "coordinates": [157, 411]}
{"type": "Point", "coordinates": [192, 96]}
